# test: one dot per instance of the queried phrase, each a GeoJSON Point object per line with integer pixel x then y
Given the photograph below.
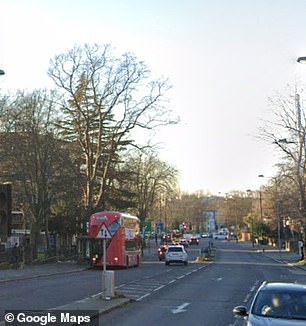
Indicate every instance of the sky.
{"type": "Point", "coordinates": [224, 59]}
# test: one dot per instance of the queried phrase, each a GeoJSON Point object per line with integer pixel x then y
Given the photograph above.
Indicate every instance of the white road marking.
{"type": "Point", "coordinates": [180, 308]}
{"type": "Point", "coordinates": [247, 298]}
{"type": "Point", "coordinates": [141, 288]}
{"type": "Point", "coordinates": [120, 286]}
{"type": "Point", "coordinates": [142, 297]}
{"type": "Point", "coordinates": [160, 287]}
{"type": "Point", "coordinates": [129, 290]}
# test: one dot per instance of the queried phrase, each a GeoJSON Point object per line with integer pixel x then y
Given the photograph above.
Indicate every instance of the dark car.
{"type": "Point", "coordinates": [193, 241]}
{"type": "Point", "coordinates": [184, 242]}
{"type": "Point", "coordinates": [161, 252]}
{"type": "Point", "coordinates": [276, 304]}
{"type": "Point", "coordinates": [166, 238]}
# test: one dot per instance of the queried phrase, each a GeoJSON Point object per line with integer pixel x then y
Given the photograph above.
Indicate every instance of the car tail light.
{"type": "Point", "coordinates": [94, 260]}
{"type": "Point", "coordinates": [116, 259]}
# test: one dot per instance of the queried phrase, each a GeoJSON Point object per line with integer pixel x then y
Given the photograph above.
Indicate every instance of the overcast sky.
{"type": "Point", "coordinates": [224, 59]}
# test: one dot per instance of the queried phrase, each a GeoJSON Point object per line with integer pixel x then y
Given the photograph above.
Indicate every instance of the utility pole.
{"type": "Point", "coordinates": [260, 203]}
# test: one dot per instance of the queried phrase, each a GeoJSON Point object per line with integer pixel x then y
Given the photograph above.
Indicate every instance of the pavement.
{"type": "Point", "coordinates": [41, 270]}
{"type": "Point", "coordinates": [281, 256]}
{"type": "Point", "coordinates": [100, 305]}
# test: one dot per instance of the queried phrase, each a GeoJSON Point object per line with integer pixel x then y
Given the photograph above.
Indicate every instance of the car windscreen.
{"type": "Point", "coordinates": [280, 304]}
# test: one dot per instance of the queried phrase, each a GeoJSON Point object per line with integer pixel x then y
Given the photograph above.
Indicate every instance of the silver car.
{"type": "Point", "coordinates": [176, 254]}
{"type": "Point", "coordinates": [276, 304]}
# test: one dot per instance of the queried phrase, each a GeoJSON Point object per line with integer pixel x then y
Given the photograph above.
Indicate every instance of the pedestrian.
{"type": "Point", "coordinates": [16, 254]}
{"type": "Point", "coordinates": [155, 235]}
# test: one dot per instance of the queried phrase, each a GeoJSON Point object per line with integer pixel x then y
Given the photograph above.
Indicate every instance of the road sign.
{"type": "Point", "coordinates": [104, 233]}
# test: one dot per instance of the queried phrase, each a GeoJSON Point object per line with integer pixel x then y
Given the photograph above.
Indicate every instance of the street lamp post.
{"type": "Point", "coordinates": [301, 59]}
{"type": "Point", "coordinates": [301, 171]}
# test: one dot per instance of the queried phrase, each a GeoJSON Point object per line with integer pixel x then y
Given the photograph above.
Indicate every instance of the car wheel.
{"type": "Point", "coordinates": [185, 263]}
{"type": "Point", "coordinates": [167, 263]}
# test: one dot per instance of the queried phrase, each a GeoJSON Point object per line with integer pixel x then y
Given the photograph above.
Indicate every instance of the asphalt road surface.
{"type": "Point", "coordinates": [197, 294]}
{"type": "Point", "coordinates": [57, 290]}
{"type": "Point", "coordinates": [203, 295]}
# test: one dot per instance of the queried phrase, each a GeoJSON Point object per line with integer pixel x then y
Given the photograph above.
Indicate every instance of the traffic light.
{"type": "Point", "coordinates": [5, 211]}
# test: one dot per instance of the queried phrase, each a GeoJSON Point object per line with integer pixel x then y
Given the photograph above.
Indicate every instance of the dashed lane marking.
{"type": "Point", "coordinates": [141, 288]}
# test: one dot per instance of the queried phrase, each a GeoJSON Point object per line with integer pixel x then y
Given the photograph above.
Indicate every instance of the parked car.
{"type": "Point", "coordinates": [161, 252]}
{"type": "Point", "coordinates": [176, 254]}
{"type": "Point", "coordinates": [194, 241]}
{"type": "Point", "coordinates": [276, 304]}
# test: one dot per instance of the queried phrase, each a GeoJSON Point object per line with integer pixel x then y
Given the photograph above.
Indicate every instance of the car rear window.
{"type": "Point", "coordinates": [175, 249]}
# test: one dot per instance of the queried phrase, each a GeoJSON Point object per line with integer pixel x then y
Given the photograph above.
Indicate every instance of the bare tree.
{"type": "Point", "coordinates": [153, 181]}
{"type": "Point", "coordinates": [33, 159]}
{"type": "Point", "coordinates": [288, 133]}
{"type": "Point", "coordinates": [104, 98]}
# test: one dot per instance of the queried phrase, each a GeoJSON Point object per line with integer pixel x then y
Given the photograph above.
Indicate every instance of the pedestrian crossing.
{"type": "Point", "coordinates": [140, 289]}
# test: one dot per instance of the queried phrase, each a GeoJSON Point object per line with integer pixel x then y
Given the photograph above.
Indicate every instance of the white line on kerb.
{"type": "Point", "coordinates": [172, 281]}
{"type": "Point", "coordinates": [182, 276]}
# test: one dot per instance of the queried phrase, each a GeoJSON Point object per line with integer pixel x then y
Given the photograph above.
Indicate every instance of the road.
{"type": "Point", "coordinates": [201, 294]}
{"type": "Point", "coordinates": [50, 292]}
{"type": "Point", "coordinates": [205, 295]}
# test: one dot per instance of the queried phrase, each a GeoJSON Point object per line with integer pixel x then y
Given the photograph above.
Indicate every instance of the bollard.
{"type": "Point", "coordinates": [108, 282]}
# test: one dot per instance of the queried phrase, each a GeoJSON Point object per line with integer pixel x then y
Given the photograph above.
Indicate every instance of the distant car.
{"type": "Point", "coordinates": [193, 241]}
{"type": "Point", "coordinates": [166, 238]}
{"type": "Point", "coordinates": [220, 236]}
{"type": "Point", "coordinates": [184, 242]}
{"type": "Point", "coordinates": [276, 304]}
{"type": "Point", "coordinates": [176, 254]}
{"type": "Point", "coordinates": [161, 252]}
{"type": "Point", "coordinates": [205, 235]}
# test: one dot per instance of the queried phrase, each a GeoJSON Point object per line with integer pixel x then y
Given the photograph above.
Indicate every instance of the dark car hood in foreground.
{"type": "Point", "coordinates": [265, 321]}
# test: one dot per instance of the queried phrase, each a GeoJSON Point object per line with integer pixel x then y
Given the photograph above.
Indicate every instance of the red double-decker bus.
{"type": "Point", "coordinates": [124, 247]}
